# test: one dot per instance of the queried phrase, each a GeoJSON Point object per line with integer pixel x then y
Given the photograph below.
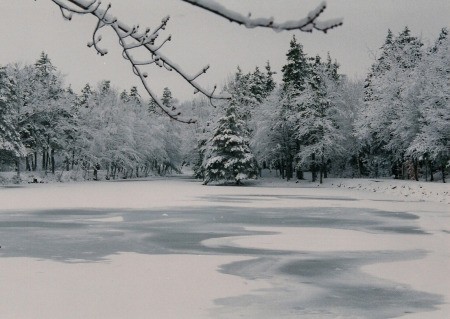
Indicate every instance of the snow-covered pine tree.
{"type": "Point", "coordinates": [372, 157]}
{"type": "Point", "coordinates": [229, 157]}
{"type": "Point", "coordinates": [432, 92]}
{"type": "Point", "coordinates": [295, 74]}
{"type": "Point", "coordinates": [296, 70]}
{"type": "Point", "coordinates": [274, 140]}
{"type": "Point", "coordinates": [316, 118]}
{"type": "Point", "coordinates": [270, 83]}
{"type": "Point", "coordinates": [86, 94]}
{"type": "Point", "coordinates": [50, 113]}
{"type": "Point", "coordinates": [389, 120]}
{"type": "Point", "coordinates": [10, 141]}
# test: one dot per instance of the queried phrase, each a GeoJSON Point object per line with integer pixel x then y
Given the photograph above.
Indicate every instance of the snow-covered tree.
{"type": "Point", "coordinates": [274, 141]}
{"type": "Point", "coordinates": [389, 121]}
{"type": "Point", "coordinates": [229, 157]}
{"type": "Point", "coordinates": [10, 141]}
{"type": "Point", "coordinates": [431, 92]}
{"type": "Point", "coordinates": [316, 118]}
{"type": "Point", "coordinates": [296, 70]}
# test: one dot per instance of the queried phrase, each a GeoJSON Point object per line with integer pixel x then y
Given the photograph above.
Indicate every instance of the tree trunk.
{"type": "Point", "coordinates": [73, 158]}
{"type": "Point", "coordinates": [47, 161]}
{"type": "Point", "coordinates": [18, 167]}
{"type": "Point", "coordinates": [35, 161]}
{"type": "Point", "coordinates": [44, 157]}
{"type": "Point", "coordinates": [52, 152]}
{"type": "Point", "coordinates": [313, 168]}
{"type": "Point", "coordinates": [27, 163]}
{"type": "Point", "coordinates": [322, 167]}
{"type": "Point", "coordinates": [360, 166]}
{"type": "Point", "coordinates": [416, 170]}
{"type": "Point", "coordinates": [443, 172]}
{"type": "Point", "coordinates": [431, 171]}
{"type": "Point", "coordinates": [299, 173]}
{"type": "Point", "coordinates": [426, 170]}
{"type": "Point", "coordinates": [289, 173]}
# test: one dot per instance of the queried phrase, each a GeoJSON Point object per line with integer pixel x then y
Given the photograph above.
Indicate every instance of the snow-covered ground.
{"type": "Point", "coordinates": [172, 248]}
{"type": "Point", "coordinates": [403, 189]}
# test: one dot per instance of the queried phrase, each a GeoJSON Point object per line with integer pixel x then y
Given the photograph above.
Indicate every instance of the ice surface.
{"type": "Point", "coordinates": [171, 248]}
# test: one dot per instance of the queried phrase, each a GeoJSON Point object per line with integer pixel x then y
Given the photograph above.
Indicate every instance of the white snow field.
{"type": "Point", "coordinates": [172, 248]}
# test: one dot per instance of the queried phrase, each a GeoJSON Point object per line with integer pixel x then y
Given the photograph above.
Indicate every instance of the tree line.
{"type": "Point", "coordinates": [395, 123]}
{"type": "Point", "coordinates": [45, 126]}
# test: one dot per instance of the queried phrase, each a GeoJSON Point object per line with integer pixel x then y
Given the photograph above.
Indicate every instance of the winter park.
{"type": "Point", "coordinates": [224, 159]}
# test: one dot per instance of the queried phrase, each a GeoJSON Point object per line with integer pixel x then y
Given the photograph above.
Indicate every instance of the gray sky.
{"type": "Point", "coordinates": [199, 38]}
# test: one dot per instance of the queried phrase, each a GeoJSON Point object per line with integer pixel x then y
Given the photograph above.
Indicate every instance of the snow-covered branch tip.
{"type": "Point", "coordinates": [130, 38]}
{"type": "Point", "coordinates": [307, 24]}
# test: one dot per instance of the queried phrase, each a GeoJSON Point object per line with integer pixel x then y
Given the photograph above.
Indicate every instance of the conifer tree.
{"type": "Point", "coordinates": [296, 70]}
{"type": "Point", "coordinates": [316, 118]}
{"type": "Point", "coordinates": [269, 81]}
{"type": "Point", "coordinates": [10, 141]}
{"type": "Point", "coordinates": [229, 157]}
{"type": "Point", "coordinates": [431, 144]}
{"type": "Point", "coordinates": [390, 118]}
{"type": "Point", "coordinates": [295, 75]}
{"type": "Point", "coordinates": [86, 94]}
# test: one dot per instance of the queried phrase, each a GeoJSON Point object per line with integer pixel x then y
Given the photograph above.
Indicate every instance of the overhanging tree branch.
{"type": "Point", "coordinates": [130, 39]}
{"type": "Point", "coordinates": [307, 24]}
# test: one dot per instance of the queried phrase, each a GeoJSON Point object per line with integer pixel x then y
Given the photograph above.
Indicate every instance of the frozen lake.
{"type": "Point", "coordinates": [172, 248]}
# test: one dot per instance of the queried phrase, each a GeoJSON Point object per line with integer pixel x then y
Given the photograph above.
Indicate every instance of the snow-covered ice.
{"type": "Point", "coordinates": [172, 248]}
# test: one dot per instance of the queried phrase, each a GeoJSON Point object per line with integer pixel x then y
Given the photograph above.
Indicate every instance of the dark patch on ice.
{"type": "Point", "coordinates": [327, 285]}
{"type": "Point", "coordinates": [396, 215]}
{"type": "Point", "coordinates": [72, 232]}
{"type": "Point", "coordinates": [411, 230]}
{"type": "Point", "coordinates": [71, 235]}
{"type": "Point", "coordinates": [268, 197]}
{"type": "Point", "coordinates": [75, 212]}
{"type": "Point", "coordinates": [11, 186]}
{"type": "Point", "coordinates": [39, 224]}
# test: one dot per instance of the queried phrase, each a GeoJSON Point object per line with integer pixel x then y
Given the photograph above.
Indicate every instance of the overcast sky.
{"type": "Point", "coordinates": [199, 38]}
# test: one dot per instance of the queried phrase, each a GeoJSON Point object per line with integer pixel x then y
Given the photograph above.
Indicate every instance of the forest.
{"type": "Point", "coordinates": [395, 123]}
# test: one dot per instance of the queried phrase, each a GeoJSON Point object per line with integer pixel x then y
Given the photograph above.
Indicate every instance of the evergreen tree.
{"type": "Point", "coordinates": [257, 85]}
{"type": "Point", "coordinates": [390, 120]}
{"type": "Point", "coordinates": [10, 141]}
{"type": "Point", "coordinates": [229, 157]}
{"type": "Point", "coordinates": [167, 99]}
{"type": "Point", "coordinates": [134, 96]}
{"type": "Point", "coordinates": [105, 87]}
{"type": "Point", "coordinates": [269, 81]}
{"type": "Point", "coordinates": [153, 107]}
{"type": "Point", "coordinates": [295, 75]}
{"type": "Point", "coordinates": [296, 70]}
{"type": "Point", "coordinates": [316, 118]}
{"type": "Point", "coordinates": [124, 97]}
{"type": "Point", "coordinates": [431, 90]}
{"type": "Point", "coordinates": [86, 94]}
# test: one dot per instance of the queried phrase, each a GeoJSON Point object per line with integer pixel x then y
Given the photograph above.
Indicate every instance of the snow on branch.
{"type": "Point", "coordinates": [307, 24]}
{"type": "Point", "coordinates": [131, 38]}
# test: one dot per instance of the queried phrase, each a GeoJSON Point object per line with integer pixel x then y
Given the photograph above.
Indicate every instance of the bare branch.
{"type": "Point", "coordinates": [146, 40]}
{"type": "Point", "coordinates": [307, 24]}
